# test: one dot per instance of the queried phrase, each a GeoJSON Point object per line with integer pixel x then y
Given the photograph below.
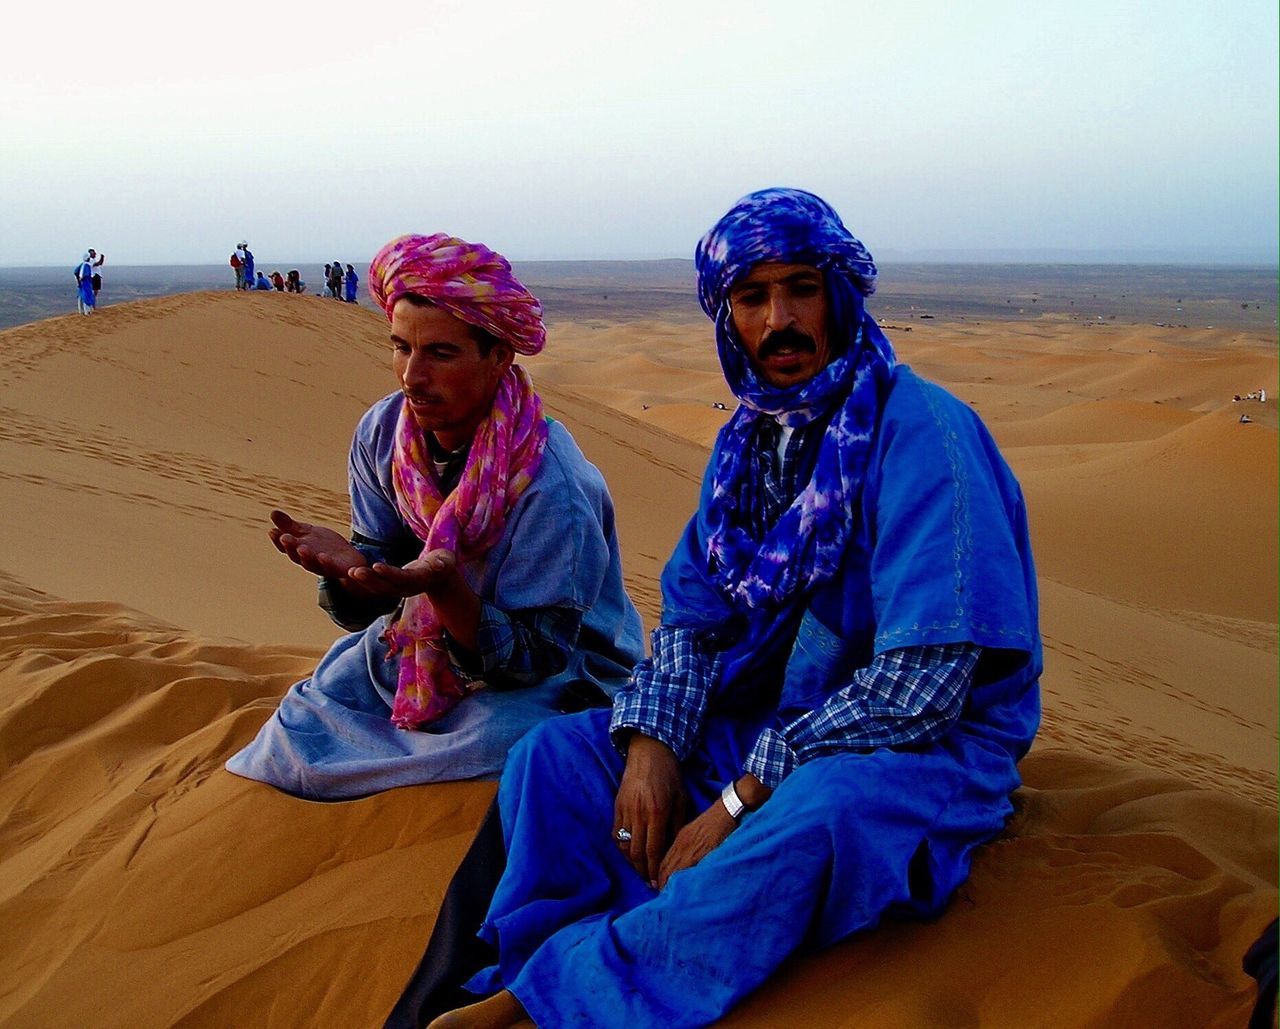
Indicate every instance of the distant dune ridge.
{"type": "Point", "coordinates": [1222, 295]}
{"type": "Point", "coordinates": [147, 629]}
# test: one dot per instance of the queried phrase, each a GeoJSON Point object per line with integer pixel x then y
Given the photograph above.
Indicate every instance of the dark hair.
{"type": "Point", "coordinates": [486, 341]}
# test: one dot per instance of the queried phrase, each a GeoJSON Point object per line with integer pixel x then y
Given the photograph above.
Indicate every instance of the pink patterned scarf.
{"type": "Point", "coordinates": [504, 458]}
{"type": "Point", "coordinates": [475, 284]}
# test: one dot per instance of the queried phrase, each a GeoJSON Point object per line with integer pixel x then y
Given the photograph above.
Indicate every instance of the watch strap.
{"type": "Point", "coordinates": [732, 802]}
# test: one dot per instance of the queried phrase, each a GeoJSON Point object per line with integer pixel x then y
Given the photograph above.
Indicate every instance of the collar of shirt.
{"type": "Point", "coordinates": [448, 464]}
{"type": "Point", "coordinates": [779, 460]}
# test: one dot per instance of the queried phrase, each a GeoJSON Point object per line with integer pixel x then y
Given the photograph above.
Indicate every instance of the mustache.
{"type": "Point", "coordinates": [786, 339]}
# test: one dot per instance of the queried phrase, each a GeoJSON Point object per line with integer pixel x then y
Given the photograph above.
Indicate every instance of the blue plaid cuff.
{"type": "Point", "coordinates": [908, 696]}
{"type": "Point", "coordinates": [520, 648]}
{"type": "Point", "coordinates": [667, 695]}
{"type": "Point", "coordinates": [495, 638]}
{"type": "Point", "coordinates": [905, 696]}
{"type": "Point", "coordinates": [770, 760]}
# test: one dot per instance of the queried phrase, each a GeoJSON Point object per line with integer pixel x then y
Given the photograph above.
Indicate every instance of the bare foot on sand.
{"type": "Point", "coordinates": [501, 1011]}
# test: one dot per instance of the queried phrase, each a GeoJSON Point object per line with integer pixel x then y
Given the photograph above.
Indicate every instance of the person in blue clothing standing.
{"type": "Point", "coordinates": [247, 258]}
{"type": "Point", "coordinates": [842, 684]}
{"type": "Point", "coordinates": [350, 282]}
{"type": "Point", "coordinates": [86, 296]}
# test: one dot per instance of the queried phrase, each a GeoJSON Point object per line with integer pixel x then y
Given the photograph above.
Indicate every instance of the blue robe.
{"type": "Point", "coordinates": [350, 283]}
{"type": "Point", "coordinates": [942, 555]}
{"type": "Point", "coordinates": [332, 737]}
{"type": "Point", "coordinates": [84, 286]}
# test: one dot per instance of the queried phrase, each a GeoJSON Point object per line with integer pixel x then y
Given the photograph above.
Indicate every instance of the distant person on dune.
{"type": "Point", "coordinates": [262, 282]}
{"type": "Point", "coordinates": [277, 280]}
{"type": "Point", "coordinates": [237, 266]}
{"type": "Point", "coordinates": [86, 299]}
{"type": "Point", "coordinates": [481, 583]}
{"type": "Point", "coordinates": [248, 265]}
{"type": "Point", "coordinates": [97, 260]}
{"type": "Point", "coordinates": [349, 283]}
{"type": "Point", "coordinates": [843, 682]}
{"type": "Point", "coordinates": [334, 280]}
{"type": "Point", "coordinates": [293, 282]}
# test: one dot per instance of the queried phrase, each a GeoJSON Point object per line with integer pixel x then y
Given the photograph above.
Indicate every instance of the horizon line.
{"type": "Point", "coordinates": [993, 257]}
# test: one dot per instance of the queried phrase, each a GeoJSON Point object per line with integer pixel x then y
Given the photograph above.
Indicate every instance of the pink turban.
{"type": "Point", "coordinates": [468, 280]}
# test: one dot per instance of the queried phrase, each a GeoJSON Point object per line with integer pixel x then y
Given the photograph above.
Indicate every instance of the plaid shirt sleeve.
{"type": "Point", "coordinates": [518, 648]}
{"type": "Point", "coordinates": [905, 696]}
{"type": "Point", "coordinates": [667, 695]}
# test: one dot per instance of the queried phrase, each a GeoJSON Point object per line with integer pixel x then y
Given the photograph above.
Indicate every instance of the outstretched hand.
{"type": "Point", "coordinates": [437, 575]}
{"type": "Point", "coordinates": [319, 550]}
{"type": "Point", "coordinates": [324, 552]}
{"type": "Point", "coordinates": [434, 573]}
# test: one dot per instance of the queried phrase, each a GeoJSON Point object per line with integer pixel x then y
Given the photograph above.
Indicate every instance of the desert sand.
{"type": "Point", "coordinates": [147, 629]}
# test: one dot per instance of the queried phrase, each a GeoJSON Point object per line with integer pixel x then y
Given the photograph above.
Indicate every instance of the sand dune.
{"type": "Point", "coordinates": [1130, 520]}
{"type": "Point", "coordinates": [1095, 421]}
{"type": "Point", "coordinates": [145, 886]}
{"type": "Point", "coordinates": [147, 628]}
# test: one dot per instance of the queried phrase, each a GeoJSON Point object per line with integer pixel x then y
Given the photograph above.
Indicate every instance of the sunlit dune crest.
{"type": "Point", "coordinates": [147, 629]}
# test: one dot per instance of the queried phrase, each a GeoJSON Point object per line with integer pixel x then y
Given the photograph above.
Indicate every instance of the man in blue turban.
{"type": "Point", "coordinates": [844, 680]}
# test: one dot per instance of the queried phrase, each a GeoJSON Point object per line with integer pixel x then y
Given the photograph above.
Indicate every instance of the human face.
{"type": "Point", "coordinates": [779, 313]}
{"type": "Point", "coordinates": [448, 386]}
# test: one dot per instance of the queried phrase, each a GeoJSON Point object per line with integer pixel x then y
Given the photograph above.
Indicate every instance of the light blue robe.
{"type": "Point", "coordinates": [332, 737]}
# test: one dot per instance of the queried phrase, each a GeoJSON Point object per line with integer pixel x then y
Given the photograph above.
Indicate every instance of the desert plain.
{"type": "Point", "coordinates": [147, 629]}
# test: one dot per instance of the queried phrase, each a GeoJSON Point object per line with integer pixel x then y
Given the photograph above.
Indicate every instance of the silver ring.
{"type": "Point", "coordinates": [623, 836]}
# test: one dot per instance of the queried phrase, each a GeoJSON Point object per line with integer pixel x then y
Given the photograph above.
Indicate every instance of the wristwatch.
{"type": "Point", "coordinates": [732, 802]}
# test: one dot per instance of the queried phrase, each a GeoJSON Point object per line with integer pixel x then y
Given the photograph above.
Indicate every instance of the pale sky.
{"type": "Point", "coordinates": [160, 132]}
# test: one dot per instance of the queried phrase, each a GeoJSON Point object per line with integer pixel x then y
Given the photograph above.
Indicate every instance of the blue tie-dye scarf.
{"type": "Point", "coordinates": [806, 545]}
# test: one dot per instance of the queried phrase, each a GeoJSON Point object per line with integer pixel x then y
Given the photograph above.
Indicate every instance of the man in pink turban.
{"type": "Point", "coordinates": [481, 582]}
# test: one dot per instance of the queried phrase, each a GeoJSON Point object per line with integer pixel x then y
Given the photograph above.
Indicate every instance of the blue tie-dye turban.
{"type": "Point", "coordinates": [785, 225]}
{"type": "Point", "coordinates": [806, 545]}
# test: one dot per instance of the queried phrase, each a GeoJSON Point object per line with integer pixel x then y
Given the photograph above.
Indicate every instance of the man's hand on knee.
{"type": "Point", "coordinates": [650, 806]}
{"type": "Point", "coordinates": [696, 840]}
